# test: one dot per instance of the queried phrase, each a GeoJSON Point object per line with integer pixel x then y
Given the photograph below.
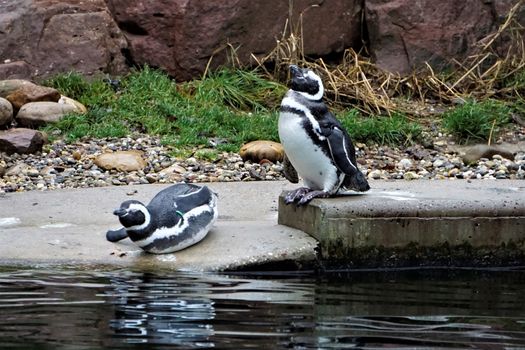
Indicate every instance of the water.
{"type": "Point", "coordinates": [365, 310]}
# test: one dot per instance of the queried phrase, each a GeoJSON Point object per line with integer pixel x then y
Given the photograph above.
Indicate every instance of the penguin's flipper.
{"type": "Point", "coordinates": [342, 151]}
{"type": "Point", "coordinates": [116, 235]}
{"type": "Point", "coordinates": [289, 171]}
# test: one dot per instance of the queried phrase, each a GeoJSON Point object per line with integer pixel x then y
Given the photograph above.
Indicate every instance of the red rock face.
{"type": "Point", "coordinates": [404, 34]}
{"type": "Point", "coordinates": [182, 35]}
{"type": "Point", "coordinates": [40, 38]}
{"type": "Point", "coordinates": [59, 36]}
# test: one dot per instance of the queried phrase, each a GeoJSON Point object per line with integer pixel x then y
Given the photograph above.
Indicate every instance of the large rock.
{"type": "Point", "coordinates": [15, 70]}
{"type": "Point", "coordinates": [404, 34]}
{"type": "Point", "coordinates": [55, 36]}
{"type": "Point", "coordinates": [181, 36]}
{"type": "Point", "coordinates": [35, 114]}
{"type": "Point", "coordinates": [260, 150]}
{"type": "Point", "coordinates": [79, 107]}
{"type": "Point", "coordinates": [21, 141]}
{"type": "Point", "coordinates": [6, 112]}
{"type": "Point", "coordinates": [472, 154]}
{"type": "Point", "coordinates": [9, 86]}
{"type": "Point", "coordinates": [32, 93]}
{"type": "Point", "coordinates": [121, 161]}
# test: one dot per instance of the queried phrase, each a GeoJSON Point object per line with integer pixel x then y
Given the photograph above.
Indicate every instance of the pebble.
{"type": "Point", "coordinates": [63, 165]}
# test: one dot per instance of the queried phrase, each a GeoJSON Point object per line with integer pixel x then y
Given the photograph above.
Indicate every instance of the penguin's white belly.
{"type": "Point", "coordinates": [314, 167]}
{"type": "Point", "coordinates": [182, 235]}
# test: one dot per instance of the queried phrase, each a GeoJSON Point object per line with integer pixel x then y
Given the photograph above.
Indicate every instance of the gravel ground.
{"type": "Point", "coordinates": [63, 165]}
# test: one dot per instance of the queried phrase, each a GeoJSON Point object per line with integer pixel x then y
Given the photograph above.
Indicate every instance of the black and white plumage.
{"type": "Point", "coordinates": [317, 146]}
{"type": "Point", "coordinates": [177, 217]}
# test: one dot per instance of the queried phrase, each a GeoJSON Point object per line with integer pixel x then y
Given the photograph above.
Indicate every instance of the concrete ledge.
{"type": "Point", "coordinates": [67, 227]}
{"type": "Point", "coordinates": [400, 223]}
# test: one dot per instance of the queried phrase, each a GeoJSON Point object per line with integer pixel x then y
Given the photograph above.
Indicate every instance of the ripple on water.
{"type": "Point", "coordinates": [356, 310]}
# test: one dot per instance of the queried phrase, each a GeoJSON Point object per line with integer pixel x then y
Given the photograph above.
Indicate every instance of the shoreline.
{"type": "Point", "coordinates": [71, 165]}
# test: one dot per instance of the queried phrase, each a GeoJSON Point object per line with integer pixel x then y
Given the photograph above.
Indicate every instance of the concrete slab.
{"type": "Point", "coordinates": [68, 227]}
{"type": "Point", "coordinates": [402, 223]}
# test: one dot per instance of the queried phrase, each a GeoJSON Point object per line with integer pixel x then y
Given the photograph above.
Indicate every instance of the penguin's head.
{"type": "Point", "coordinates": [306, 82]}
{"type": "Point", "coordinates": [133, 215]}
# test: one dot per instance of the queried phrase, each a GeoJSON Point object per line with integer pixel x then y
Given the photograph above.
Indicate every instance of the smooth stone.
{"type": "Point", "coordinates": [173, 172]}
{"type": "Point", "coordinates": [9, 86]}
{"type": "Point", "coordinates": [40, 113]}
{"type": "Point", "coordinates": [6, 111]}
{"type": "Point", "coordinates": [375, 174]}
{"type": "Point", "coordinates": [121, 161]}
{"type": "Point", "coordinates": [79, 107]}
{"type": "Point", "coordinates": [404, 164]}
{"type": "Point", "coordinates": [438, 163]}
{"type": "Point", "coordinates": [472, 154]}
{"type": "Point", "coordinates": [32, 93]}
{"type": "Point", "coordinates": [256, 151]}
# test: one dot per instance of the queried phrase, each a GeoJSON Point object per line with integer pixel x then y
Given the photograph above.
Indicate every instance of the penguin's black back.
{"type": "Point", "coordinates": [179, 197]}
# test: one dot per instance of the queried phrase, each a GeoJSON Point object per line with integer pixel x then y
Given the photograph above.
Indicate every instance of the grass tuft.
{"type": "Point", "coordinates": [477, 121]}
{"type": "Point", "coordinates": [396, 129]}
{"type": "Point", "coordinates": [231, 105]}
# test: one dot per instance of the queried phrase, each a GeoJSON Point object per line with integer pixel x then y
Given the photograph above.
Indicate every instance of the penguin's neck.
{"type": "Point", "coordinates": [304, 98]}
{"type": "Point", "coordinates": [143, 229]}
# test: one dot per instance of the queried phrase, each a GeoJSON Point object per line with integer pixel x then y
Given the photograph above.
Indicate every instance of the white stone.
{"type": "Point", "coordinates": [404, 164]}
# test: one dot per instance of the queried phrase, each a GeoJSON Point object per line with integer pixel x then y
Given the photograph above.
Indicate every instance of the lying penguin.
{"type": "Point", "coordinates": [317, 147]}
{"type": "Point", "coordinates": [177, 217]}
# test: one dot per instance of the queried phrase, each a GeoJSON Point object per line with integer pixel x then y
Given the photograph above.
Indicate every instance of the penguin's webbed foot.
{"type": "Point", "coordinates": [307, 197]}
{"type": "Point", "coordinates": [116, 235]}
{"type": "Point", "coordinates": [303, 195]}
{"type": "Point", "coordinates": [296, 195]}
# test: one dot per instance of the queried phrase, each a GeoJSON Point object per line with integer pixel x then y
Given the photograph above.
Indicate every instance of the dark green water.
{"type": "Point", "coordinates": [366, 310]}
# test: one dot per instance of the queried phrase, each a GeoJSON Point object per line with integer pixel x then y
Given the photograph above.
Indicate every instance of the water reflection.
{"type": "Point", "coordinates": [365, 310]}
{"type": "Point", "coordinates": [148, 310]}
{"type": "Point", "coordinates": [190, 311]}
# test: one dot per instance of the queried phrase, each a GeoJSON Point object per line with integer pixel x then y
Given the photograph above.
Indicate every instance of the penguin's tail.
{"type": "Point", "coordinates": [357, 182]}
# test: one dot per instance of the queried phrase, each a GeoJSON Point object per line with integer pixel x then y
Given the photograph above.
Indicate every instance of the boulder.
{"type": "Point", "coordinates": [404, 34]}
{"type": "Point", "coordinates": [473, 153]}
{"type": "Point", "coordinates": [56, 36]}
{"type": "Point", "coordinates": [15, 70]}
{"type": "Point", "coordinates": [32, 93]}
{"type": "Point", "coordinates": [36, 114]}
{"type": "Point", "coordinates": [181, 36]}
{"type": "Point", "coordinates": [9, 86]}
{"type": "Point", "coordinates": [121, 161]}
{"type": "Point", "coordinates": [21, 141]}
{"type": "Point", "coordinates": [257, 151]}
{"type": "Point", "coordinates": [6, 112]}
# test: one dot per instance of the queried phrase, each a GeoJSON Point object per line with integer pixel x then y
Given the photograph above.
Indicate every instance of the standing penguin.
{"type": "Point", "coordinates": [177, 217]}
{"type": "Point", "coordinates": [317, 146]}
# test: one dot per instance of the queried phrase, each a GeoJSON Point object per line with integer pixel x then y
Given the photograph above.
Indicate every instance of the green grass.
{"type": "Point", "coordinates": [516, 82]}
{"type": "Point", "coordinates": [232, 105]}
{"type": "Point", "coordinates": [393, 130]}
{"type": "Point", "coordinates": [477, 121]}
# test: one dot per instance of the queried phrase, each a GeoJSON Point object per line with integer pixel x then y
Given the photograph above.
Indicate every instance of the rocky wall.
{"type": "Point", "coordinates": [40, 38]}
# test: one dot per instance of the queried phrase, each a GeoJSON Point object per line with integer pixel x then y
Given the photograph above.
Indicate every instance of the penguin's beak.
{"type": "Point", "coordinates": [294, 70]}
{"type": "Point", "coordinates": [119, 212]}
